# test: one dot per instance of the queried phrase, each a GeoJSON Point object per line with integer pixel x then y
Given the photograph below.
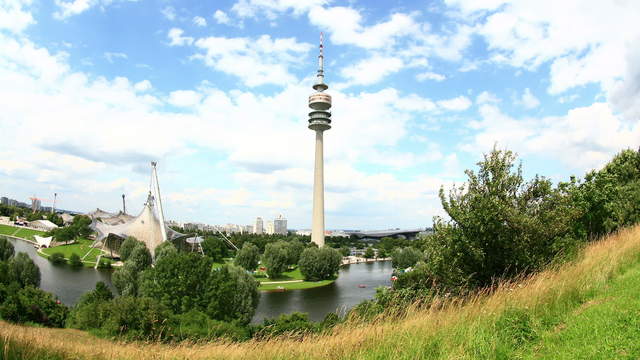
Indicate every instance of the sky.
{"type": "Point", "coordinates": [216, 92]}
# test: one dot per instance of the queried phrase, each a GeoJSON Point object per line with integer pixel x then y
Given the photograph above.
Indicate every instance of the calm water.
{"type": "Point", "coordinates": [69, 284]}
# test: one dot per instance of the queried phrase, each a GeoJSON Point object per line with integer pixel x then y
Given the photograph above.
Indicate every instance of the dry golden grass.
{"type": "Point", "coordinates": [453, 322]}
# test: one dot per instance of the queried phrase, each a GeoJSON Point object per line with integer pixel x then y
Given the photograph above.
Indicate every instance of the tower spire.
{"type": "Point", "coordinates": [320, 85]}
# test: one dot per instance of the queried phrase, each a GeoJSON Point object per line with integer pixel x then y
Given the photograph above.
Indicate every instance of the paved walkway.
{"type": "Point", "coordinates": [280, 282]}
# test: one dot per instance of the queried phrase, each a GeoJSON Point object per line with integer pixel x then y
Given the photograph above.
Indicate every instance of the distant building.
{"type": "Point", "coordinates": [4, 200]}
{"type": "Point", "coordinates": [44, 225]}
{"type": "Point", "coordinates": [258, 228]}
{"type": "Point", "coordinates": [270, 229]}
{"type": "Point", "coordinates": [280, 225]}
{"type": "Point", "coordinates": [247, 229]}
{"type": "Point", "coordinates": [306, 232]}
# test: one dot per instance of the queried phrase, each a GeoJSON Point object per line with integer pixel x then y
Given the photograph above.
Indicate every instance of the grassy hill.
{"type": "Point", "coordinates": [587, 309]}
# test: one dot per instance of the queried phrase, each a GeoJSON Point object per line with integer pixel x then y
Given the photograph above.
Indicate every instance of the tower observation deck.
{"type": "Point", "coordinates": [319, 121]}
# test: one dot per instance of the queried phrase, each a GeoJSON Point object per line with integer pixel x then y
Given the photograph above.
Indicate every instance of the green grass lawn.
{"type": "Point", "coordinates": [82, 248]}
{"type": "Point", "coordinates": [607, 326]}
{"type": "Point", "coordinates": [296, 285]}
{"type": "Point", "coordinates": [286, 276]}
{"type": "Point", "coordinates": [19, 232]}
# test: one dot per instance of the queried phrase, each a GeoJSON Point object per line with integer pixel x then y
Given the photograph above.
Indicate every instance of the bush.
{"type": "Point", "coordinates": [196, 325]}
{"type": "Point", "coordinates": [33, 305]}
{"type": "Point", "coordinates": [130, 317]}
{"type": "Point", "coordinates": [57, 258]}
{"type": "Point", "coordinates": [294, 324]}
{"type": "Point", "coordinates": [104, 264]}
{"type": "Point", "coordinates": [319, 264]}
{"type": "Point", "coordinates": [74, 260]}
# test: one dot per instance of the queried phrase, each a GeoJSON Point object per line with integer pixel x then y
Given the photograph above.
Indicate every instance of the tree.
{"type": "Point", "coordinates": [248, 256]}
{"type": "Point", "coordinates": [127, 247]}
{"type": "Point", "coordinates": [231, 295]}
{"type": "Point", "coordinates": [75, 261]}
{"type": "Point", "coordinates": [24, 270]}
{"type": "Point", "coordinates": [57, 258]}
{"type": "Point", "coordinates": [275, 259]}
{"type": "Point", "coordinates": [405, 257]}
{"type": "Point", "coordinates": [369, 253]}
{"type": "Point", "coordinates": [215, 248]}
{"type": "Point", "coordinates": [319, 264]}
{"type": "Point", "coordinates": [165, 248]}
{"type": "Point", "coordinates": [345, 251]}
{"type": "Point", "coordinates": [125, 279]}
{"type": "Point", "coordinates": [101, 293]}
{"type": "Point", "coordinates": [382, 253]}
{"type": "Point", "coordinates": [140, 257]}
{"type": "Point", "coordinates": [177, 281]}
{"type": "Point", "coordinates": [294, 250]}
{"type": "Point", "coordinates": [6, 249]}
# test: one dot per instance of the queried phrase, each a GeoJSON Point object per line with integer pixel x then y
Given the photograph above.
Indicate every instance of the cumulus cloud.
{"type": "Point", "coordinates": [15, 15]}
{"type": "Point", "coordinates": [272, 8]}
{"type": "Point", "coordinates": [112, 56]}
{"type": "Point", "coordinates": [430, 76]}
{"type": "Point", "coordinates": [528, 100]}
{"type": "Point", "coordinates": [221, 17]}
{"type": "Point", "coordinates": [184, 98]}
{"type": "Point", "coordinates": [372, 70]}
{"type": "Point", "coordinates": [199, 21]}
{"type": "Point", "coordinates": [459, 103]}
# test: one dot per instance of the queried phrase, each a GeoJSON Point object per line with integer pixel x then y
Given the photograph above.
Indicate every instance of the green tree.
{"type": "Point", "coordinates": [125, 279]}
{"type": "Point", "coordinates": [319, 264]}
{"type": "Point", "coordinates": [165, 248]}
{"type": "Point", "coordinates": [369, 253]}
{"type": "Point", "coordinates": [6, 249]}
{"type": "Point", "coordinates": [231, 294]}
{"type": "Point", "coordinates": [75, 261]}
{"type": "Point", "coordinates": [215, 248]}
{"type": "Point", "coordinates": [140, 256]}
{"type": "Point", "coordinates": [405, 257]}
{"type": "Point", "coordinates": [345, 251]}
{"type": "Point", "coordinates": [24, 270]}
{"type": "Point", "coordinates": [248, 256]}
{"type": "Point", "coordinates": [294, 250]}
{"type": "Point", "coordinates": [275, 259]}
{"type": "Point", "coordinates": [127, 247]}
{"type": "Point", "coordinates": [177, 281]}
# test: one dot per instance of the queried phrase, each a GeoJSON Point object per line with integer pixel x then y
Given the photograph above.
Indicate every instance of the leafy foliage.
{"type": "Point", "coordinates": [403, 258]}
{"type": "Point", "coordinates": [248, 257]}
{"type": "Point", "coordinates": [165, 248]}
{"type": "Point", "coordinates": [215, 248]}
{"type": "Point", "coordinates": [127, 247]}
{"type": "Point", "coordinates": [275, 258]}
{"type": "Point", "coordinates": [6, 249]}
{"type": "Point", "coordinates": [319, 264]}
{"type": "Point", "coordinates": [24, 271]}
{"type": "Point", "coordinates": [74, 260]}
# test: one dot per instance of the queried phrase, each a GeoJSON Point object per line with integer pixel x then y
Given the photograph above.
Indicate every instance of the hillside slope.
{"type": "Point", "coordinates": [585, 309]}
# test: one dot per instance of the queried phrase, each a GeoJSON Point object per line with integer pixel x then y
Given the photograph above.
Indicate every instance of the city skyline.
{"type": "Point", "coordinates": [216, 94]}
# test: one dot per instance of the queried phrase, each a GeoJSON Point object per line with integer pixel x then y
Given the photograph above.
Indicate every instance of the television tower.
{"type": "Point", "coordinates": [319, 121]}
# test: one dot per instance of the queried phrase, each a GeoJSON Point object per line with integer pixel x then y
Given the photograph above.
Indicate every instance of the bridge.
{"type": "Point", "coordinates": [397, 233]}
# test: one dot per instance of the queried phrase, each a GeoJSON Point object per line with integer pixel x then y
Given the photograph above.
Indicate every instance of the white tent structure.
{"type": "Point", "coordinates": [44, 225]}
{"type": "Point", "coordinates": [43, 242]}
{"type": "Point", "coordinates": [148, 226]}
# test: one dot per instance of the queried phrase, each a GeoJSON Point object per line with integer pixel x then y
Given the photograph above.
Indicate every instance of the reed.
{"type": "Point", "coordinates": [488, 324]}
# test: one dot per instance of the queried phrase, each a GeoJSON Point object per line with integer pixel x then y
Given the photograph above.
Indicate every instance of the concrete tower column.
{"type": "Point", "coordinates": [317, 227]}
{"type": "Point", "coordinates": [319, 121]}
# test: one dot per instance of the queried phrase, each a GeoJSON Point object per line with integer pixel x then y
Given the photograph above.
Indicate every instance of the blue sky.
{"type": "Point", "coordinates": [216, 91]}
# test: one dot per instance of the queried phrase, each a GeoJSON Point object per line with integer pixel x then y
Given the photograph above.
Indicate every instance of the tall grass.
{"type": "Point", "coordinates": [487, 325]}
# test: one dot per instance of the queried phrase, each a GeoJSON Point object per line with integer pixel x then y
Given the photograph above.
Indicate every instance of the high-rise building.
{"type": "Point", "coordinates": [4, 200]}
{"type": "Point", "coordinates": [319, 121]}
{"type": "Point", "coordinates": [35, 204]}
{"type": "Point", "coordinates": [280, 225]}
{"type": "Point", "coordinates": [270, 229]}
{"type": "Point", "coordinates": [257, 228]}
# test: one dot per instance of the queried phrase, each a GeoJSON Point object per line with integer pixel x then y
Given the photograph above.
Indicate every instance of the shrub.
{"type": "Point", "coordinates": [104, 264]}
{"type": "Point", "coordinates": [24, 270]}
{"type": "Point", "coordinates": [294, 324]}
{"type": "Point", "coordinates": [31, 304]}
{"type": "Point", "coordinates": [74, 260]}
{"type": "Point", "coordinates": [57, 258]}
{"type": "Point", "coordinates": [196, 325]}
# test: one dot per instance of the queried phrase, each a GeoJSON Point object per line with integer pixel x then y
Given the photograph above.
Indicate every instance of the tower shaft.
{"type": "Point", "coordinates": [317, 226]}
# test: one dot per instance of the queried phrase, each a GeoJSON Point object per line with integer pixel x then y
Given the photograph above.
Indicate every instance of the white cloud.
{"type": "Point", "coordinates": [199, 21]}
{"type": "Point", "coordinates": [583, 139]}
{"type": "Point", "coordinates": [528, 100]}
{"type": "Point", "coordinates": [372, 70]}
{"type": "Point", "coordinates": [459, 103]}
{"type": "Point", "coordinates": [430, 76]}
{"type": "Point", "coordinates": [14, 15]}
{"type": "Point", "coordinates": [221, 17]}
{"type": "Point", "coordinates": [142, 86]}
{"type": "Point", "coordinates": [112, 56]}
{"type": "Point", "coordinates": [271, 8]}
{"type": "Point", "coordinates": [184, 98]}
{"type": "Point", "coordinates": [71, 8]}
{"type": "Point", "coordinates": [255, 61]}
{"type": "Point", "coordinates": [169, 13]}
{"type": "Point", "coordinates": [345, 27]}
{"type": "Point", "coordinates": [486, 97]}
{"type": "Point", "coordinates": [176, 38]}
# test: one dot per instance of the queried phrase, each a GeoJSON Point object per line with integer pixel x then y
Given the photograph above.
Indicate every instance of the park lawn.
{"type": "Point", "coordinates": [286, 276]}
{"type": "Point", "coordinates": [81, 248]}
{"type": "Point", "coordinates": [19, 232]}
{"type": "Point", "coordinates": [295, 285]}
